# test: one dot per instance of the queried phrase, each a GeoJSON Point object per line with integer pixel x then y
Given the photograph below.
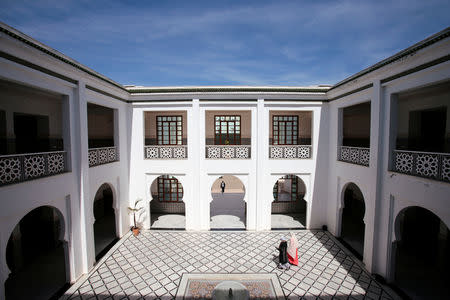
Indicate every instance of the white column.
{"type": "Point", "coordinates": [195, 207]}
{"type": "Point", "coordinates": [252, 197]}
{"type": "Point", "coordinates": [81, 168]}
{"type": "Point", "coordinates": [137, 181]}
{"type": "Point", "coordinates": [376, 146]}
{"type": "Point", "coordinates": [263, 204]}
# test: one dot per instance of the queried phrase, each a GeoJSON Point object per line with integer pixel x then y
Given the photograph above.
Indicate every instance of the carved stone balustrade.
{"type": "Point", "coordinates": [22, 167]}
{"type": "Point", "coordinates": [165, 152]}
{"type": "Point", "coordinates": [290, 151]}
{"type": "Point", "coordinates": [228, 151]}
{"type": "Point", "coordinates": [355, 155]}
{"type": "Point", "coordinates": [423, 164]}
{"type": "Point", "coordinates": [100, 156]}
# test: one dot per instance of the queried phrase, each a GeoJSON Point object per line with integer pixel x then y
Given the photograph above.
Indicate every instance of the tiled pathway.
{"type": "Point", "coordinates": [150, 266]}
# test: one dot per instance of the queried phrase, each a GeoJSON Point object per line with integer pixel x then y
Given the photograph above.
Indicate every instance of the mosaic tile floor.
{"type": "Point", "coordinates": [150, 266]}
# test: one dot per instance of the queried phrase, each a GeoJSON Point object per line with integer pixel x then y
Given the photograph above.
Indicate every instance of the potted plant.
{"type": "Point", "coordinates": [134, 210]}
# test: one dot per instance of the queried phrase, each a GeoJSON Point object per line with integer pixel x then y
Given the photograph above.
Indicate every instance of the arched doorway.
{"type": "Point", "coordinates": [289, 205]}
{"type": "Point", "coordinates": [352, 220]}
{"type": "Point", "coordinates": [228, 208]}
{"type": "Point", "coordinates": [167, 209]}
{"type": "Point", "coordinates": [37, 256]}
{"type": "Point", "coordinates": [105, 235]}
{"type": "Point", "coordinates": [421, 254]}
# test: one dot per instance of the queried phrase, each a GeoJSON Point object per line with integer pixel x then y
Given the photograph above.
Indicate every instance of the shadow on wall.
{"type": "Point", "coordinates": [421, 255]}
{"type": "Point", "coordinates": [37, 256]}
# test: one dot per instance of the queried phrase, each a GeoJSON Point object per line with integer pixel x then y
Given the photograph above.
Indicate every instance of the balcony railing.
{"type": "Point", "coordinates": [100, 156]}
{"type": "Point", "coordinates": [290, 151]}
{"type": "Point", "coordinates": [165, 152]}
{"type": "Point", "coordinates": [228, 151]}
{"type": "Point", "coordinates": [422, 164]}
{"type": "Point", "coordinates": [22, 167]}
{"type": "Point", "coordinates": [355, 155]}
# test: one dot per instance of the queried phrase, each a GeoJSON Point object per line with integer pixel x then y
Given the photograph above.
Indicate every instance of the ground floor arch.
{"type": "Point", "coordinates": [352, 219]}
{"type": "Point", "coordinates": [105, 232]}
{"type": "Point", "coordinates": [420, 261]}
{"type": "Point", "coordinates": [37, 256]}
{"type": "Point", "coordinates": [289, 207]}
{"type": "Point", "coordinates": [167, 208]}
{"type": "Point", "coordinates": [228, 210]}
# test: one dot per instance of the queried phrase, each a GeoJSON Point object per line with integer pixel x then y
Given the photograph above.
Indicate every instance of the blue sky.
{"type": "Point", "coordinates": [183, 43]}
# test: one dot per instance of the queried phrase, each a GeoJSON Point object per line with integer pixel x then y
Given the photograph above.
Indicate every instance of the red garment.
{"type": "Point", "coordinates": [293, 260]}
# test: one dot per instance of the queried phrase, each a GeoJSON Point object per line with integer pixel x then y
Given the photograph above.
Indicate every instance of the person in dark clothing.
{"type": "Point", "coordinates": [222, 186]}
{"type": "Point", "coordinates": [282, 257]}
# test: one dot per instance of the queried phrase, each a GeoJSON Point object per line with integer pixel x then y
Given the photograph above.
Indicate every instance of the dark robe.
{"type": "Point", "coordinates": [283, 252]}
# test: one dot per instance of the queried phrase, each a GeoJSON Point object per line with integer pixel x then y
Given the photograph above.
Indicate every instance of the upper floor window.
{"type": "Point", "coordinates": [227, 130]}
{"type": "Point", "coordinates": [285, 130]}
{"type": "Point", "coordinates": [170, 130]}
{"type": "Point", "coordinates": [169, 189]}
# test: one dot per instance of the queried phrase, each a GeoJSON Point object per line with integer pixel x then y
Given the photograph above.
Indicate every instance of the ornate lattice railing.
{"type": "Point", "coordinates": [22, 167]}
{"type": "Point", "coordinates": [290, 152]}
{"type": "Point", "coordinates": [228, 151]}
{"type": "Point", "coordinates": [165, 152]}
{"type": "Point", "coordinates": [100, 156]}
{"type": "Point", "coordinates": [355, 155]}
{"type": "Point", "coordinates": [423, 164]}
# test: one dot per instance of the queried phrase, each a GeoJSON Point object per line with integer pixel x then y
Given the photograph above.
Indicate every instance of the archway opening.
{"type": "Point", "coordinates": [228, 209]}
{"type": "Point", "coordinates": [289, 205]}
{"type": "Point", "coordinates": [167, 209]}
{"type": "Point", "coordinates": [37, 256]}
{"type": "Point", "coordinates": [352, 220]}
{"type": "Point", "coordinates": [422, 261]}
{"type": "Point", "coordinates": [105, 235]}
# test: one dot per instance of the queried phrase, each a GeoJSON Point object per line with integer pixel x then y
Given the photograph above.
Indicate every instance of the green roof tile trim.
{"type": "Point", "coordinates": [226, 89]}
{"type": "Point", "coordinates": [414, 48]}
{"type": "Point", "coordinates": [57, 56]}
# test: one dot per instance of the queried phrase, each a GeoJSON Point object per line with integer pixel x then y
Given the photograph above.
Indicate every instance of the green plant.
{"type": "Point", "coordinates": [134, 210]}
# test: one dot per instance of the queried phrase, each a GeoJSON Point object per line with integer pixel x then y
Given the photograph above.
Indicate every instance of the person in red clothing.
{"type": "Point", "coordinates": [292, 250]}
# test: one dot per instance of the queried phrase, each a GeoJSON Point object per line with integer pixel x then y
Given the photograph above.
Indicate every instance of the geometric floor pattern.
{"type": "Point", "coordinates": [150, 265]}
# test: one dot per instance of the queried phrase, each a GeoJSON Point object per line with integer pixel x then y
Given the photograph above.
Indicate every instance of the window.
{"type": "Point", "coordinates": [227, 130]}
{"type": "Point", "coordinates": [169, 189]}
{"type": "Point", "coordinates": [286, 189]}
{"type": "Point", "coordinates": [170, 130]}
{"type": "Point", "coordinates": [285, 130]}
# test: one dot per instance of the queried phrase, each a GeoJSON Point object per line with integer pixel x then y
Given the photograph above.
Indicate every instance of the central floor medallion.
{"type": "Point", "coordinates": [201, 286]}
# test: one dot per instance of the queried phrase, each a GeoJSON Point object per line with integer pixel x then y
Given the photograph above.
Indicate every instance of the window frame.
{"type": "Point", "coordinates": [294, 189]}
{"type": "Point", "coordinates": [237, 136]}
{"type": "Point", "coordinates": [276, 132]}
{"type": "Point", "coordinates": [160, 131]}
{"type": "Point", "coordinates": [167, 197]}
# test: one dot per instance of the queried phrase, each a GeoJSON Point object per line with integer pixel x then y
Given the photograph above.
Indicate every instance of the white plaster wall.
{"type": "Point", "coordinates": [399, 191]}
{"type": "Point", "coordinates": [385, 193]}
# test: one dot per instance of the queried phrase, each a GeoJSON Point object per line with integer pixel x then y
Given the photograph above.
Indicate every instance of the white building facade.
{"type": "Point", "coordinates": [331, 155]}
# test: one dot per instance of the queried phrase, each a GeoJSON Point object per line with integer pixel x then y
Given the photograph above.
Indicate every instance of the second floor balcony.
{"type": "Point", "coordinates": [165, 135]}
{"type": "Point", "coordinates": [422, 131]}
{"type": "Point", "coordinates": [354, 130]}
{"type": "Point", "coordinates": [290, 135]}
{"type": "Point", "coordinates": [228, 135]}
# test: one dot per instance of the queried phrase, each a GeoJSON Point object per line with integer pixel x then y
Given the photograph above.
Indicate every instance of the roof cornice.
{"type": "Point", "coordinates": [226, 89]}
